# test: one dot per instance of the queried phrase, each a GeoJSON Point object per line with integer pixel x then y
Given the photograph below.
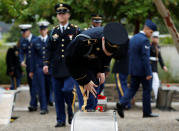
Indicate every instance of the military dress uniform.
{"type": "Point", "coordinates": [85, 57]}
{"type": "Point", "coordinates": [60, 38]}
{"type": "Point", "coordinates": [139, 68]}
{"type": "Point", "coordinates": [26, 53]}
{"type": "Point", "coordinates": [121, 71]}
{"type": "Point", "coordinates": [13, 65]}
{"type": "Point", "coordinates": [36, 66]}
{"type": "Point", "coordinates": [96, 19]}
{"type": "Point", "coordinates": [61, 78]}
{"type": "Point", "coordinates": [155, 58]}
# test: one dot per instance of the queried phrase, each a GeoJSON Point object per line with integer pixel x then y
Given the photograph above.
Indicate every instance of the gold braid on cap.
{"type": "Point", "coordinates": [97, 17]}
{"type": "Point", "coordinates": [59, 8]}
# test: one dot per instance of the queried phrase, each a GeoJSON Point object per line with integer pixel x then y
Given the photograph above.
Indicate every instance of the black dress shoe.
{"type": "Point", "coordinates": [150, 115]}
{"type": "Point", "coordinates": [43, 112]}
{"type": "Point", "coordinates": [61, 124]}
{"type": "Point", "coordinates": [120, 109]}
{"type": "Point", "coordinates": [70, 119]}
{"type": "Point", "coordinates": [31, 108]}
{"type": "Point", "coordinates": [50, 103]}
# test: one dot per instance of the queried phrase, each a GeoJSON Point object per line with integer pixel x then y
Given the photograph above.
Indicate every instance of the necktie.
{"type": "Point", "coordinates": [63, 29]}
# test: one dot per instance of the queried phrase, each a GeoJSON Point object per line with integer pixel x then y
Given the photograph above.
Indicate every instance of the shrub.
{"type": "Point", "coordinates": [166, 41]}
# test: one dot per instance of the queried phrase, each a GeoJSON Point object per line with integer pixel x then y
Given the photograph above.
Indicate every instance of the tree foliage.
{"type": "Point", "coordinates": [125, 11]}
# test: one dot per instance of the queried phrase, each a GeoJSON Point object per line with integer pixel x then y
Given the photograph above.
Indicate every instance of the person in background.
{"type": "Point", "coordinates": [121, 70]}
{"type": "Point", "coordinates": [155, 57]}
{"type": "Point", "coordinates": [14, 69]}
{"type": "Point", "coordinates": [140, 70]}
{"type": "Point", "coordinates": [36, 66]}
{"type": "Point", "coordinates": [25, 54]}
{"type": "Point", "coordinates": [96, 20]}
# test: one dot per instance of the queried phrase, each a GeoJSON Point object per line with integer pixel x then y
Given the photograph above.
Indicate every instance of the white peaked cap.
{"type": "Point", "coordinates": [43, 23]}
{"type": "Point", "coordinates": [25, 26]}
{"type": "Point", "coordinates": [155, 34]}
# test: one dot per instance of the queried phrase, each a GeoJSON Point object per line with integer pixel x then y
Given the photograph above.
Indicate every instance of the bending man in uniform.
{"type": "Point", "coordinates": [89, 55]}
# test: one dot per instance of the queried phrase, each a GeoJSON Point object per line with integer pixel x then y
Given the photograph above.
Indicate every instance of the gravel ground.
{"type": "Point", "coordinates": [133, 121]}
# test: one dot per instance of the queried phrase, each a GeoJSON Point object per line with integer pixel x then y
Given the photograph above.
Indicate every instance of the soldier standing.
{"type": "Point", "coordinates": [14, 69]}
{"type": "Point", "coordinates": [36, 66]}
{"type": "Point", "coordinates": [60, 38]}
{"type": "Point", "coordinates": [26, 54]}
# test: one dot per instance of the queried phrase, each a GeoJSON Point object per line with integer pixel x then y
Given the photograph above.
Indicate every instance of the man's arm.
{"type": "Point", "coordinates": [21, 52]}
{"type": "Point", "coordinates": [145, 57]}
{"type": "Point", "coordinates": [160, 58]}
{"type": "Point", "coordinates": [32, 60]}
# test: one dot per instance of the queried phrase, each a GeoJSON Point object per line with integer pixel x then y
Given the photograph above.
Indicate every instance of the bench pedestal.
{"type": "Point", "coordinates": [95, 121]}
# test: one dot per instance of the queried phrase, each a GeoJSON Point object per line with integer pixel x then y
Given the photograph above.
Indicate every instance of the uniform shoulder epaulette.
{"type": "Point", "coordinates": [74, 25]}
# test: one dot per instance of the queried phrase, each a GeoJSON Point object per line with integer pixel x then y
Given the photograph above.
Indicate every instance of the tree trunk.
{"type": "Point", "coordinates": [164, 12]}
{"type": "Point", "coordinates": [137, 27]}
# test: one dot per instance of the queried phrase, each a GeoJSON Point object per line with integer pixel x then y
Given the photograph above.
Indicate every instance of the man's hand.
{"type": "Point", "coordinates": [165, 69]}
{"type": "Point", "coordinates": [23, 64]}
{"type": "Point", "coordinates": [149, 77]}
{"type": "Point", "coordinates": [101, 77]}
{"type": "Point", "coordinates": [45, 69]}
{"type": "Point", "coordinates": [31, 74]}
{"type": "Point", "coordinates": [90, 88]}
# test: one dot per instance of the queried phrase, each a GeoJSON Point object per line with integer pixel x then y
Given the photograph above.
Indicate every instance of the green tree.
{"type": "Point", "coordinates": [132, 13]}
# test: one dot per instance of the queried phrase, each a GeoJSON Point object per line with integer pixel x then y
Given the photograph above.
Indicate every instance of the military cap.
{"type": "Point", "coordinates": [25, 27]}
{"type": "Point", "coordinates": [96, 18]}
{"type": "Point", "coordinates": [115, 36]}
{"type": "Point", "coordinates": [43, 24]}
{"type": "Point", "coordinates": [62, 8]}
{"type": "Point", "coordinates": [155, 34]}
{"type": "Point", "coordinates": [151, 25]}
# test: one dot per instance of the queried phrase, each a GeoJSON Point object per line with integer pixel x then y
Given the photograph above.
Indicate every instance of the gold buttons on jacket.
{"type": "Point", "coordinates": [63, 40]}
{"type": "Point", "coordinates": [62, 56]}
{"type": "Point", "coordinates": [62, 45]}
{"type": "Point", "coordinates": [98, 49]}
{"type": "Point", "coordinates": [62, 50]}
